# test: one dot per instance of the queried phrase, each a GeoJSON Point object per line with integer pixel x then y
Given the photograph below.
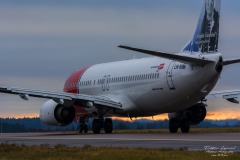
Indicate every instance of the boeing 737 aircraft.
{"type": "Point", "coordinates": [178, 84]}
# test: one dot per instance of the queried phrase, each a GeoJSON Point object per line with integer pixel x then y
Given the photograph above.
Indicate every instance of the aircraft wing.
{"type": "Point", "coordinates": [230, 95]}
{"type": "Point", "coordinates": [176, 57]}
{"type": "Point", "coordinates": [63, 97]}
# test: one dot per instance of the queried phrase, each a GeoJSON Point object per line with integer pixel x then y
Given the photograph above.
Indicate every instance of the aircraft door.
{"type": "Point", "coordinates": [170, 76]}
{"type": "Point", "coordinates": [105, 83]}
{"type": "Point", "coordinates": [108, 81]}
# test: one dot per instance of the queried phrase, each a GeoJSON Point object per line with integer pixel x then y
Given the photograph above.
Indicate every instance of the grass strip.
{"type": "Point", "coordinates": [88, 152]}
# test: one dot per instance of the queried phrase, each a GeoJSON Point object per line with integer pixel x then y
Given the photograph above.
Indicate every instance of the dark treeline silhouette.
{"type": "Point", "coordinates": [11, 125]}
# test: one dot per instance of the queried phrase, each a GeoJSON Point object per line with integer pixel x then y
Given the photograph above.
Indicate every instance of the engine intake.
{"type": "Point", "coordinates": [52, 113]}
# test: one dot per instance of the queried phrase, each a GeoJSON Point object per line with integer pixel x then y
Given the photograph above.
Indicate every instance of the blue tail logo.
{"type": "Point", "coordinates": [205, 39]}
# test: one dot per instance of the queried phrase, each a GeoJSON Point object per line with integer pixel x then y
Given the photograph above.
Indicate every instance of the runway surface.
{"type": "Point", "coordinates": [191, 141]}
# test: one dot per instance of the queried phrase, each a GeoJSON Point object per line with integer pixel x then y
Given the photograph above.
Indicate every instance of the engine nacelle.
{"type": "Point", "coordinates": [52, 113]}
{"type": "Point", "coordinates": [196, 113]}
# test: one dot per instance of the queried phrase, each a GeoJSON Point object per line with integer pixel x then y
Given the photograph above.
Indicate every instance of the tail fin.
{"type": "Point", "coordinates": [205, 39]}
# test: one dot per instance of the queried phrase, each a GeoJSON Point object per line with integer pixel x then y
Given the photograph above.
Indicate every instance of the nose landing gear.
{"type": "Point", "coordinates": [82, 127]}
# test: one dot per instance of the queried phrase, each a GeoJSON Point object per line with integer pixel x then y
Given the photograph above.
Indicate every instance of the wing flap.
{"type": "Point", "coordinates": [175, 57]}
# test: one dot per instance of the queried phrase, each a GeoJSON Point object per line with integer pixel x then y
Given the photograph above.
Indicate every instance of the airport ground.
{"type": "Point", "coordinates": [210, 143]}
{"type": "Point", "coordinates": [137, 144]}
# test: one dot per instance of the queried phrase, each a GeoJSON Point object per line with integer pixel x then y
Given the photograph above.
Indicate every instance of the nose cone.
{"type": "Point", "coordinates": [71, 84]}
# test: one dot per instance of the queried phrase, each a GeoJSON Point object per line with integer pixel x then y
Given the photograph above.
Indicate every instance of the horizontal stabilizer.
{"type": "Point", "coordinates": [230, 95]}
{"type": "Point", "coordinates": [231, 61]}
{"type": "Point", "coordinates": [175, 57]}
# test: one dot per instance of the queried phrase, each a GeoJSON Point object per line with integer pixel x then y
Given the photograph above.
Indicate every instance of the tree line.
{"type": "Point", "coordinates": [12, 125]}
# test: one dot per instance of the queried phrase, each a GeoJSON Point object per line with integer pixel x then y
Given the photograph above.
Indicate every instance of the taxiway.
{"type": "Point", "coordinates": [191, 141]}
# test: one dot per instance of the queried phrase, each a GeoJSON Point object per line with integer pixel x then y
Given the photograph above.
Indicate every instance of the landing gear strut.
{"type": "Point", "coordinates": [82, 127]}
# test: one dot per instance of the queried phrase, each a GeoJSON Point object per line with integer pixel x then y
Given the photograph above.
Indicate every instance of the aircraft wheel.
{"type": "Point", "coordinates": [85, 128]}
{"type": "Point", "coordinates": [185, 126]}
{"type": "Point", "coordinates": [96, 126]}
{"type": "Point", "coordinates": [173, 125]}
{"type": "Point", "coordinates": [108, 127]}
{"type": "Point", "coordinates": [80, 128]}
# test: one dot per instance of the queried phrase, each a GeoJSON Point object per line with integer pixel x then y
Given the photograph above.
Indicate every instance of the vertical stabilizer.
{"type": "Point", "coordinates": [205, 39]}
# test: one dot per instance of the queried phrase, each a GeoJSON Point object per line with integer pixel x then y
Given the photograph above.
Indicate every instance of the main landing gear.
{"type": "Point", "coordinates": [174, 125]}
{"type": "Point", "coordinates": [98, 124]}
{"type": "Point", "coordinates": [183, 119]}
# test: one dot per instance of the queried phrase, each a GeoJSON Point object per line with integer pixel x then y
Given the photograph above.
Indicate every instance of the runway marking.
{"type": "Point", "coordinates": [123, 139]}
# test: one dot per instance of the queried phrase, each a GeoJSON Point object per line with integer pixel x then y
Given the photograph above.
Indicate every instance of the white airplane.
{"type": "Point", "coordinates": [178, 84]}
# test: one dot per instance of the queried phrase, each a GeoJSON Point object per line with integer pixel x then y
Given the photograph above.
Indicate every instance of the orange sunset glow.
{"type": "Point", "coordinates": [211, 115]}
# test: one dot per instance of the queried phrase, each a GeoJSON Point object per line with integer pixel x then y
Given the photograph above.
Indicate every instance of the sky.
{"type": "Point", "coordinates": [43, 42]}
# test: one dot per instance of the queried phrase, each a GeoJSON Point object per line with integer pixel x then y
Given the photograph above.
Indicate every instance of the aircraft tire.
{"type": "Point", "coordinates": [80, 128]}
{"type": "Point", "coordinates": [173, 125]}
{"type": "Point", "coordinates": [96, 126]}
{"type": "Point", "coordinates": [85, 128]}
{"type": "Point", "coordinates": [185, 125]}
{"type": "Point", "coordinates": [108, 127]}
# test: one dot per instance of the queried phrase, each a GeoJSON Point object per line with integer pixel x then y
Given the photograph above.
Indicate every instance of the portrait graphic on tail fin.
{"type": "Point", "coordinates": [210, 29]}
{"type": "Point", "coordinates": [206, 36]}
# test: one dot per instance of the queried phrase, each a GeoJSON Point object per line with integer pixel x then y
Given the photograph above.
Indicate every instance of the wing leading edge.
{"type": "Point", "coordinates": [63, 97]}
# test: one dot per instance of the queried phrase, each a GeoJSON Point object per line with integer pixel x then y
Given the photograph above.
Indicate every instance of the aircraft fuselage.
{"type": "Point", "coordinates": [146, 86]}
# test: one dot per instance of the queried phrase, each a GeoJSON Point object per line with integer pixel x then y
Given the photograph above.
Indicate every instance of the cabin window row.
{"type": "Point", "coordinates": [116, 80]}
{"type": "Point", "coordinates": [130, 78]}
{"type": "Point", "coordinates": [83, 83]}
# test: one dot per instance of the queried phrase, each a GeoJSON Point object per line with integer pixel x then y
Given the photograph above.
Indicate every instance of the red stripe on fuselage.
{"type": "Point", "coordinates": [71, 86]}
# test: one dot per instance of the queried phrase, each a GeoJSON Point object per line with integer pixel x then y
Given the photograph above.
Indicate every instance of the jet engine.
{"type": "Point", "coordinates": [52, 113]}
{"type": "Point", "coordinates": [196, 113]}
